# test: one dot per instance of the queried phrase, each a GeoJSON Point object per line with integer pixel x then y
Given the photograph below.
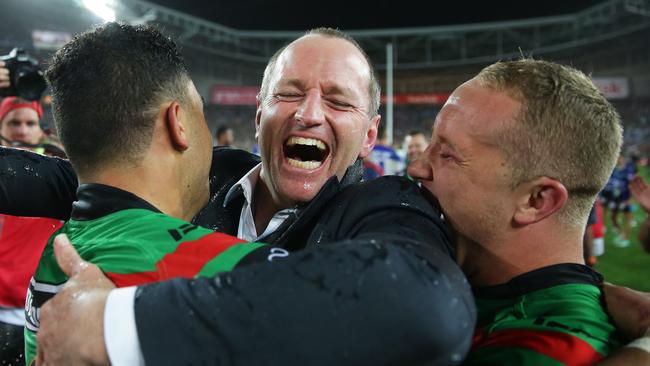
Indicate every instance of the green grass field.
{"type": "Point", "coordinates": [626, 266]}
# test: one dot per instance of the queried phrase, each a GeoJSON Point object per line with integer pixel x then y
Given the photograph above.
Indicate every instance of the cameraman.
{"type": "Point", "coordinates": [4, 75]}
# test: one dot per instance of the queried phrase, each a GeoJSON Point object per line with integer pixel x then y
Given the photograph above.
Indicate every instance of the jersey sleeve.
{"type": "Point", "coordinates": [204, 254]}
{"type": "Point", "coordinates": [158, 248]}
{"type": "Point", "coordinates": [134, 247]}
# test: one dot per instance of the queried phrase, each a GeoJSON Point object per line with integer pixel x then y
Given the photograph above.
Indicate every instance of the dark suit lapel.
{"type": "Point", "coordinates": [294, 232]}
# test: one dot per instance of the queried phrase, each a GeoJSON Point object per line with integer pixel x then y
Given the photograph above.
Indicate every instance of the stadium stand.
{"type": "Point", "coordinates": [606, 40]}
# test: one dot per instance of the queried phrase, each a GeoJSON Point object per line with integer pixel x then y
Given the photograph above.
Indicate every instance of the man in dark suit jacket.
{"type": "Point", "coordinates": [371, 280]}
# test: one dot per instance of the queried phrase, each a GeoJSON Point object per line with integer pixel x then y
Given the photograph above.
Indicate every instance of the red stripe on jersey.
{"type": "Point", "coordinates": [563, 347]}
{"type": "Point", "coordinates": [186, 261]}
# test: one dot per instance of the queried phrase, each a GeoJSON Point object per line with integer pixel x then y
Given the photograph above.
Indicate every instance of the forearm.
{"type": "Point", "coordinates": [636, 353]}
{"type": "Point", "coordinates": [35, 185]}
{"type": "Point", "coordinates": [348, 304]}
{"type": "Point", "coordinates": [627, 356]}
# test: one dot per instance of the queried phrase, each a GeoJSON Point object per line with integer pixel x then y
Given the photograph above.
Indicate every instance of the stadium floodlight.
{"type": "Point", "coordinates": [102, 8]}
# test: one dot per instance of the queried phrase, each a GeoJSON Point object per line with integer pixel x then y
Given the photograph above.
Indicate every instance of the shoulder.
{"type": "Point", "coordinates": [128, 233]}
{"type": "Point", "coordinates": [391, 206]}
{"type": "Point", "coordinates": [561, 322]}
{"type": "Point", "coordinates": [228, 165]}
{"type": "Point", "coordinates": [230, 158]}
{"type": "Point", "coordinates": [389, 191]}
{"type": "Point", "coordinates": [532, 346]}
{"type": "Point", "coordinates": [144, 227]}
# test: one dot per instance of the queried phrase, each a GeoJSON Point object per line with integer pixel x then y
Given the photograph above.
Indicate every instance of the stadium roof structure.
{"type": "Point", "coordinates": [425, 59]}
{"type": "Point", "coordinates": [413, 48]}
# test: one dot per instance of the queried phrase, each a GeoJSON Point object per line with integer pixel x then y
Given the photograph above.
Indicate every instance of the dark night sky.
{"type": "Point", "coordinates": [350, 14]}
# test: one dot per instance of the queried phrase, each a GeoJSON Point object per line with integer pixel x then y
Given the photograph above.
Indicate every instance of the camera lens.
{"type": "Point", "coordinates": [30, 84]}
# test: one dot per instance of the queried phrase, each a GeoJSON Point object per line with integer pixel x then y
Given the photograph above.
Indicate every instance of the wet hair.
{"type": "Point", "coordinates": [107, 86]}
{"type": "Point", "coordinates": [374, 89]}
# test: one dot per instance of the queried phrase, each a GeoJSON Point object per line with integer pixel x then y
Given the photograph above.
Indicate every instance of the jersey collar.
{"type": "Point", "coordinates": [558, 274]}
{"type": "Point", "coordinates": [98, 200]}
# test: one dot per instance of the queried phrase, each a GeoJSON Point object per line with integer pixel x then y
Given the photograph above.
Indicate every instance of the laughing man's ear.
{"type": "Point", "coordinates": [371, 137]}
{"type": "Point", "coordinates": [539, 199]}
{"type": "Point", "coordinates": [176, 126]}
{"type": "Point", "coordinates": [258, 114]}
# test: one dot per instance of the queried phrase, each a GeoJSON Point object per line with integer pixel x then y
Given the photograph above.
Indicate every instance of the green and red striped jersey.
{"type": "Point", "coordinates": [133, 243]}
{"type": "Point", "coordinates": [551, 316]}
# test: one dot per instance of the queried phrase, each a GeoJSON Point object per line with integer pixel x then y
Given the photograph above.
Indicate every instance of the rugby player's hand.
{"type": "Point", "coordinates": [629, 309]}
{"type": "Point", "coordinates": [4, 76]}
{"type": "Point", "coordinates": [641, 192]}
{"type": "Point", "coordinates": [631, 313]}
{"type": "Point", "coordinates": [71, 323]}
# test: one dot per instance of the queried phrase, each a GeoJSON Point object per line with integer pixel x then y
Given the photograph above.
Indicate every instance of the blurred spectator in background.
{"type": "Point", "coordinates": [21, 127]}
{"type": "Point", "coordinates": [594, 239]}
{"type": "Point", "coordinates": [641, 194]}
{"type": "Point", "coordinates": [21, 238]}
{"type": "Point", "coordinates": [225, 136]}
{"type": "Point", "coordinates": [19, 124]}
{"type": "Point", "coordinates": [415, 143]}
{"type": "Point", "coordinates": [588, 240]}
{"type": "Point", "coordinates": [385, 156]}
{"type": "Point", "coordinates": [616, 195]}
{"type": "Point", "coordinates": [371, 170]}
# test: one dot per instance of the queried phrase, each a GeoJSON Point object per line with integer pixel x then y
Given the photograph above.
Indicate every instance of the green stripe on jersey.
{"type": "Point", "coordinates": [573, 309]}
{"type": "Point", "coordinates": [229, 259]}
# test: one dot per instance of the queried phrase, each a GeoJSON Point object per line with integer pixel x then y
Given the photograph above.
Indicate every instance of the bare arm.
{"type": "Point", "coordinates": [630, 311]}
{"type": "Point", "coordinates": [636, 353]}
{"type": "Point", "coordinates": [627, 356]}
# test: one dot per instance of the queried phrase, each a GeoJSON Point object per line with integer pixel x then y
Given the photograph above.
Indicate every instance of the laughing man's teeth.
{"type": "Point", "coordinates": [306, 141]}
{"type": "Point", "coordinates": [304, 164]}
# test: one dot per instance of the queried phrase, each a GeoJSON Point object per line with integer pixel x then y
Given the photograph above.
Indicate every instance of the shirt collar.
{"type": "Point", "coordinates": [244, 186]}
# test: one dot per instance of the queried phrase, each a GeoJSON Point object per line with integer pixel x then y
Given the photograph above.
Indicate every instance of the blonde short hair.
{"type": "Point", "coordinates": [565, 130]}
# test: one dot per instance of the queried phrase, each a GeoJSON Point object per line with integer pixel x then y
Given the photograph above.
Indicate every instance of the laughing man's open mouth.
{"type": "Point", "coordinates": [305, 153]}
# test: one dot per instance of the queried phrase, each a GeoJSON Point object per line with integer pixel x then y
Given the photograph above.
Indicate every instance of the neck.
{"type": "Point", "coordinates": [264, 206]}
{"type": "Point", "coordinates": [161, 187]}
{"type": "Point", "coordinates": [518, 252]}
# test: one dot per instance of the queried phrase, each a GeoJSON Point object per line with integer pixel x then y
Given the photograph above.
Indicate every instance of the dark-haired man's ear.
{"type": "Point", "coordinates": [176, 127]}
{"type": "Point", "coordinates": [538, 200]}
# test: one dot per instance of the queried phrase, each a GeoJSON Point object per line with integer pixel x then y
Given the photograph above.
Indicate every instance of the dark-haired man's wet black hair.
{"type": "Point", "coordinates": [113, 77]}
